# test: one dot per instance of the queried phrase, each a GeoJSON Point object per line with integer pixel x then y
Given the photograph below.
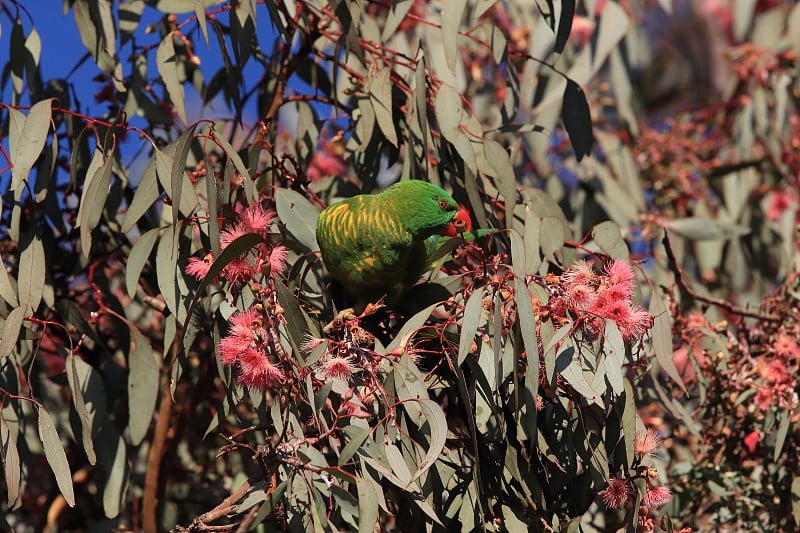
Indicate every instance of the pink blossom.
{"type": "Point", "coordinates": [646, 443]}
{"type": "Point", "coordinates": [338, 367]}
{"type": "Point", "coordinates": [277, 259]}
{"type": "Point", "coordinates": [579, 273]}
{"type": "Point", "coordinates": [231, 233]}
{"type": "Point", "coordinates": [199, 267]}
{"type": "Point", "coordinates": [656, 497]}
{"type": "Point", "coordinates": [637, 324]}
{"type": "Point", "coordinates": [580, 297]}
{"type": "Point", "coordinates": [785, 346]}
{"type": "Point", "coordinates": [617, 494]}
{"type": "Point", "coordinates": [751, 441]}
{"type": "Point", "coordinates": [237, 271]}
{"type": "Point", "coordinates": [257, 371]}
{"type": "Point", "coordinates": [620, 274]}
{"type": "Point", "coordinates": [256, 219]}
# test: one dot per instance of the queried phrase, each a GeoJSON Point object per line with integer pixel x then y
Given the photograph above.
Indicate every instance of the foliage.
{"type": "Point", "coordinates": [615, 349]}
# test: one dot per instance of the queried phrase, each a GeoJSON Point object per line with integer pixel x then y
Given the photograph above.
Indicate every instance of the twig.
{"type": "Point", "coordinates": [677, 270]}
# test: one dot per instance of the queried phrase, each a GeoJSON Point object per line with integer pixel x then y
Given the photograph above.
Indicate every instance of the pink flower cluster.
{"type": "Point", "coordinates": [270, 259]}
{"type": "Point", "coordinates": [253, 349]}
{"type": "Point", "coordinates": [621, 491]}
{"type": "Point", "coordinates": [605, 296]}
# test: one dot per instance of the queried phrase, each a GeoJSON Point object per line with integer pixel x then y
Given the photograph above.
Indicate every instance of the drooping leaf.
{"type": "Point", "coordinates": [26, 147]}
{"type": "Point", "coordinates": [79, 373]}
{"type": "Point", "coordinates": [367, 506]}
{"type": "Point", "coordinates": [138, 257]}
{"type": "Point", "coordinates": [452, 13]}
{"type": "Point", "coordinates": [168, 69]}
{"type": "Point", "coordinates": [7, 291]}
{"type": "Point", "coordinates": [55, 455]}
{"type": "Point", "coordinates": [380, 96]}
{"type": "Point", "coordinates": [93, 199]}
{"type": "Point", "coordinates": [11, 464]}
{"type": "Point", "coordinates": [143, 385]}
{"type": "Point", "coordinates": [701, 229]}
{"type": "Point", "coordinates": [661, 334]}
{"type": "Point", "coordinates": [469, 325]}
{"type": "Point", "coordinates": [11, 330]}
{"type": "Point", "coordinates": [577, 119]}
{"type": "Point", "coordinates": [32, 268]}
{"type": "Point", "coordinates": [564, 24]}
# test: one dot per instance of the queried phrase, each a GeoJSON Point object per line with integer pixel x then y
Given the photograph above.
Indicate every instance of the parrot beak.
{"type": "Point", "coordinates": [461, 223]}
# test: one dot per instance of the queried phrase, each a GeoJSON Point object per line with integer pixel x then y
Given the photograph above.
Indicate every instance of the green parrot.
{"type": "Point", "coordinates": [378, 244]}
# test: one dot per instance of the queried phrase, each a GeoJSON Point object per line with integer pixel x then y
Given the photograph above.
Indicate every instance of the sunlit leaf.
{"type": "Point", "coordinates": [661, 335]}
{"type": "Point", "coordinates": [380, 96]}
{"type": "Point", "coordinates": [93, 199]}
{"type": "Point", "coordinates": [608, 238]}
{"type": "Point", "coordinates": [168, 69]}
{"type": "Point", "coordinates": [469, 325]}
{"type": "Point", "coordinates": [705, 229]}
{"type": "Point", "coordinates": [11, 464]}
{"type": "Point", "coordinates": [78, 374]}
{"type": "Point", "coordinates": [140, 253]}
{"type": "Point", "coordinates": [298, 215]}
{"type": "Point", "coordinates": [452, 13]}
{"type": "Point", "coordinates": [55, 455]}
{"type": "Point", "coordinates": [26, 147]}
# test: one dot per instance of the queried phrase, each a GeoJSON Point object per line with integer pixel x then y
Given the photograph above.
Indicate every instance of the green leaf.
{"type": "Point", "coordinates": [701, 229]}
{"type": "Point", "coordinates": [380, 96]}
{"type": "Point", "coordinates": [168, 69]}
{"type": "Point", "coordinates": [299, 216]}
{"type": "Point", "coordinates": [11, 330]}
{"type": "Point", "coordinates": [117, 476]}
{"type": "Point", "coordinates": [167, 255]}
{"type": "Point", "coordinates": [452, 13]}
{"type": "Point", "coordinates": [26, 147]}
{"type": "Point", "coordinates": [469, 325]}
{"type": "Point", "coordinates": [200, 13]}
{"type": "Point", "coordinates": [7, 290]}
{"type": "Point", "coordinates": [608, 237]}
{"type": "Point", "coordinates": [143, 198]}
{"type": "Point", "coordinates": [437, 424]}
{"type": "Point", "coordinates": [93, 199]}
{"type": "Point", "coordinates": [577, 119]}
{"type": "Point", "coordinates": [784, 417]}
{"type": "Point", "coordinates": [411, 327]}
{"type": "Point", "coordinates": [367, 506]}
{"type": "Point", "coordinates": [296, 324]}
{"type": "Point", "coordinates": [78, 374]}
{"type": "Point", "coordinates": [143, 381]}
{"type": "Point", "coordinates": [11, 464]}
{"type": "Point", "coordinates": [356, 437]}
{"type": "Point", "coordinates": [32, 267]}
{"type": "Point", "coordinates": [396, 15]}
{"type": "Point", "coordinates": [564, 24]}
{"type": "Point", "coordinates": [552, 234]}
{"type": "Point", "coordinates": [55, 455]}
{"type": "Point", "coordinates": [178, 171]}
{"type": "Point", "coordinates": [138, 257]}
{"type": "Point", "coordinates": [661, 334]}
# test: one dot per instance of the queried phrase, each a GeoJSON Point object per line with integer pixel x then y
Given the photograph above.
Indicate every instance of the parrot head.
{"type": "Point", "coordinates": [428, 210]}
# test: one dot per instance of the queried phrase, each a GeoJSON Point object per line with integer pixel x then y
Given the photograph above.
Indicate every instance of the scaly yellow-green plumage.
{"type": "Point", "coordinates": [375, 244]}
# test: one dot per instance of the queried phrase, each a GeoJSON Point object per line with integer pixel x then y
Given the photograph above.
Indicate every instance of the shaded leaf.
{"type": "Point", "coordinates": [367, 506]}
{"type": "Point", "coordinates": [11, 464]}
{"type": "Point", "coordinates": [564, 24]}
{"type": "Point", "coordinates": [437, 423]}
{"type": "Point", "coordinates": [138, 257]}
{"type": "Point", "coordinates": [661, 335]}
{"type": "Point", "coordinates": [469, 324]}
{"type": "Point", "coordinates": [32, 267]}
{"type": "Point", "coordinates": [7, 290]}
{"type": "Point", "coordinates": [78, 373]}
{"type": "Point", "coordinates": [167, 255]}
{"type": "Point", "coordinates": [11, 330]}
{"type": "Point", "coordinates": [143, 381]}
{"type": "Point", "coordinates": [577, 119]}
{"type": "Point", "coordinates": [93, 199]}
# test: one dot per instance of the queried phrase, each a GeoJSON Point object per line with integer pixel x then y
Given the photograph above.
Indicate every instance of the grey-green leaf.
{"type": "Point", "coordinates": [32, 269]}
{"type": "Point", "coordinates": [25, 148]}
{"type": "Point", "coordinates": [143, 380]}
{"type": "Point", "coordinates": [55, 455]}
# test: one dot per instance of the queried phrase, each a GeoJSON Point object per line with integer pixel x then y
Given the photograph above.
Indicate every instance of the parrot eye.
{"type": "Point", "coordinates": [442, 205]}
